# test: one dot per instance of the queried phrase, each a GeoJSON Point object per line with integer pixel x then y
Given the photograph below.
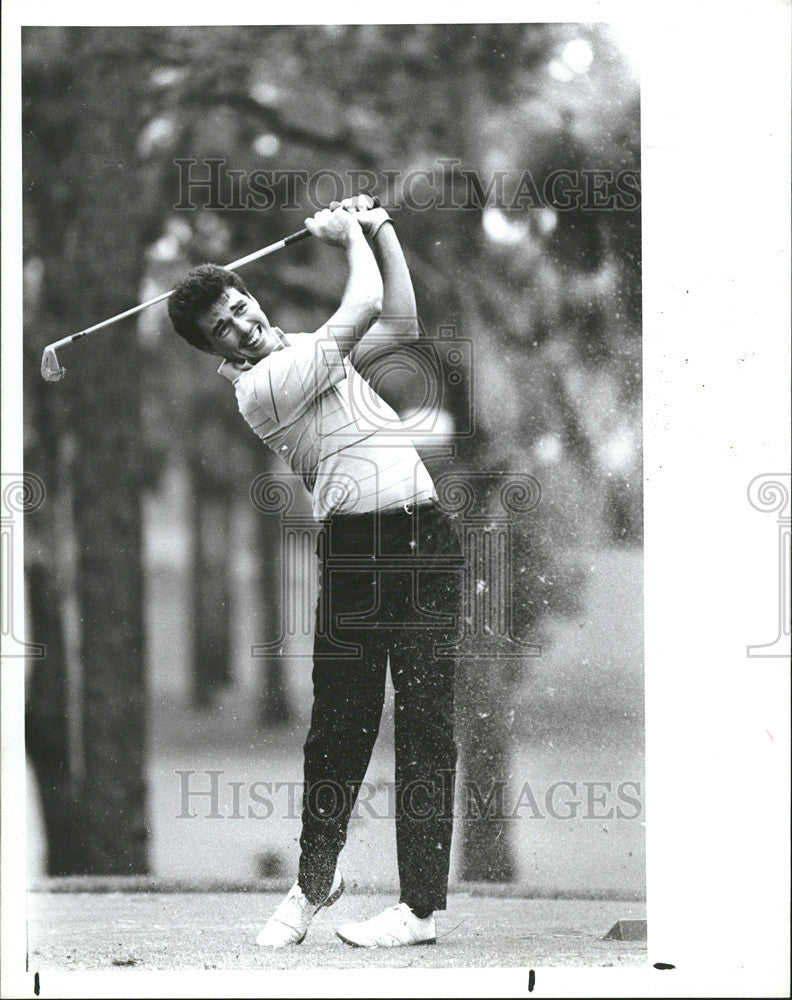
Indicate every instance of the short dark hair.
{"type": "Point", "coordinates": [195, 294]}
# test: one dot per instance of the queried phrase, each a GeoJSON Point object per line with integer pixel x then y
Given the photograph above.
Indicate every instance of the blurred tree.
{"type": "Point", "coordinates": [210, 578]}
{"type": "Point", "coordinates": [274, 708]}
{"type": "Point", "coordinates": [82, 214]}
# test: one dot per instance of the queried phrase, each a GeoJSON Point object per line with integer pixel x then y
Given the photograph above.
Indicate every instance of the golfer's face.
{"type": "Point", "coordinates": [238, 329]}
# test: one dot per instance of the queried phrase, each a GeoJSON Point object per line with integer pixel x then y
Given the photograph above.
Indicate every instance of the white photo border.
{"type": "Point", "coordinates": [715, 81]}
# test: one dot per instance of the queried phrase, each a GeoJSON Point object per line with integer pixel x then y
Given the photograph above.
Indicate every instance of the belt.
{"type": "Point", "coordinates": [409, 508]}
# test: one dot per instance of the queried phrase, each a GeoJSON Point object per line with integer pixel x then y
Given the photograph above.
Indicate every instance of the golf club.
{"type": "Point", "coordinates": [51, 369]}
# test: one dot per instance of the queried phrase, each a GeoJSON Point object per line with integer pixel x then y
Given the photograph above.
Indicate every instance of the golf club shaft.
{"type": "Point", "coordinates": [263, 252]}
{"type": "Point", "coordinates": [53, 371]}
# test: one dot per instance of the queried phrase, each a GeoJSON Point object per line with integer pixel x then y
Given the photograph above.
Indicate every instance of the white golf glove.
{"type": "Point", "coordinates": [370, 217]}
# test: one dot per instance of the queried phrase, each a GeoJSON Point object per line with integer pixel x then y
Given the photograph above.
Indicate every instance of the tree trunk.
{"type": "Point", "coordinates": [486, 692]}
{"type": "Point", "coordinates": [486, 851]}
{"type": "Point", "coordinates": [47, 728]}
{"type": "Point", "coordinates": [92, 263]}
{"type": "Point", "coordinates": [211, 592]}
{"type": "Point", "coordinates": [274, 708]}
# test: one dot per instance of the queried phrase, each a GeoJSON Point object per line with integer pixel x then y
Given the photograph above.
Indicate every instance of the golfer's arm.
{"type": "Point", "coordinates": [398, 321]}
{"type": "Point", "coordinates": [399, 318]}
{"type": "Point", "coordinates": [362, 300]}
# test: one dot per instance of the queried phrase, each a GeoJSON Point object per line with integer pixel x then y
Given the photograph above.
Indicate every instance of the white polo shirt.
{"type": "Point", "coordinates": [310, 406]}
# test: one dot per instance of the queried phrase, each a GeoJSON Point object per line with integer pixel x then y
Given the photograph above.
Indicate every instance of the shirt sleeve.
{"type": "Point", "coordinates": [286, 382]}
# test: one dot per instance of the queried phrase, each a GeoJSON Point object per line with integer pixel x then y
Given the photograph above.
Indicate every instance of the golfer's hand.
{"type": "Point", "coordinates": [362, 207]}
{"type": "Point", "coordinates": [336, 228]}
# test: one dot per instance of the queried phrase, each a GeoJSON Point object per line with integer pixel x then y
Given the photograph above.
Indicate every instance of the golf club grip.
{"type": "Point", "coordinates": [301, 234]}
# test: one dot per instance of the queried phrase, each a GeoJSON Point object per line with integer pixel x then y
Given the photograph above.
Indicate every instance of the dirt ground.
{"type": "Point", "coordinates": [80, 931]}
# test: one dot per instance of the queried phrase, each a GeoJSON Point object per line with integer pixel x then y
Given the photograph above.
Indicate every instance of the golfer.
{"type": "Point", "coordinates": [391, 579]}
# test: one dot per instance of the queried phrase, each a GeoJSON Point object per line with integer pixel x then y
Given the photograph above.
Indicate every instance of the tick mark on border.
{"type": "Point", "coordinates": [531, 980]}
{"type": "Point", "coordinates": [36, 983]}
{"type": "Point", "coordinates": [663, 966]}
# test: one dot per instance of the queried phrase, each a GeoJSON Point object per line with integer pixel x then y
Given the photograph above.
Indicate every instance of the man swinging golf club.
{"type": "Point", "coordinates": [377, 505]}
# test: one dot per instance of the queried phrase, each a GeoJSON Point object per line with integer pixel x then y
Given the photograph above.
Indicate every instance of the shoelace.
{"type": "Point", "coordinates": [290, 911]}
{"type": "Point", "coordinates": [400, 910]}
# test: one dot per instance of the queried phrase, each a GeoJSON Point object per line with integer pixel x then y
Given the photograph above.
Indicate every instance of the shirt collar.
{"type": "Point", "coordinates": [233, 370]}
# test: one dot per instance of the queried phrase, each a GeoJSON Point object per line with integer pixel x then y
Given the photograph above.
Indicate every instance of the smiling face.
{"type": "Point", "coordinates": [237, 329]}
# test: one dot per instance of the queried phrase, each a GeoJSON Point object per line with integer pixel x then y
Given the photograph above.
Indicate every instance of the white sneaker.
{"type": "Point", "coordinates": [289, 923]}
{"type": "Point", "coordinates": [395, 927]}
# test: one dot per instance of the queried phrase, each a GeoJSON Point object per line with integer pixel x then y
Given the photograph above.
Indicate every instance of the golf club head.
{"type": "Point", "coordinates": [51, 371]}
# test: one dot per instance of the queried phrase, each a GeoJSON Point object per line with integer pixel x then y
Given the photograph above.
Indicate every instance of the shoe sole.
{"type": "Point", "coordinates": [412, 944]}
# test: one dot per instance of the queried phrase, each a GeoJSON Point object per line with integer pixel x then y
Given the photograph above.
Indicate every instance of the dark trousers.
{"type": "Point", "coordinates": [391, 590]}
